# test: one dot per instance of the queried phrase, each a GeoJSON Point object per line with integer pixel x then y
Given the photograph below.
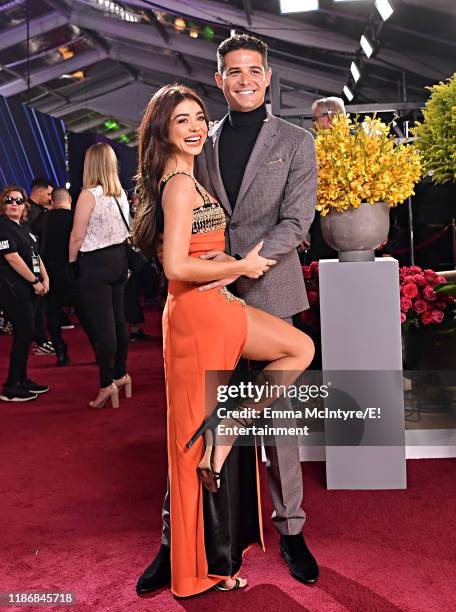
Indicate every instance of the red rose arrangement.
{"type": "Point", "coordinates": [311, 316]}
{"type": "Point", "coordinates": [421, 302]}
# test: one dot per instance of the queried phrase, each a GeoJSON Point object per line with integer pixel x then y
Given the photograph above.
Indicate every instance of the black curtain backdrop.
{"type": "Point", "coordinates": [77, 147]}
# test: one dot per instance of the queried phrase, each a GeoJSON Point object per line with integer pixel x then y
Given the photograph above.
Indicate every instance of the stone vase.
{"type": "Point", "coordinates": [357, 232]}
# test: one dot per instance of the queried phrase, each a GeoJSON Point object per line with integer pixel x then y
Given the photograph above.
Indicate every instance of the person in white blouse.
{"type": "Point", "coordinates": [97, 244]}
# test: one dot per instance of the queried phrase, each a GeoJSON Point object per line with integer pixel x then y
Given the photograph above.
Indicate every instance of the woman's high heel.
{"type": "Point", "coordinates": [111, 393]}
{"type": "Point", "coordinates": [209, 478]}
{"type": "Point", "coordinates": [126, 384]}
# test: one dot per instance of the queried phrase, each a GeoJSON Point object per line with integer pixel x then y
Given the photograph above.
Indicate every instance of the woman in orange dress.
{"type": "Point", "coordinates": [203, 331]}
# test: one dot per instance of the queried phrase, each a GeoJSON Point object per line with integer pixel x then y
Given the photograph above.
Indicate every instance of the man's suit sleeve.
{"type": "Point", "coordinates": [297, 210]}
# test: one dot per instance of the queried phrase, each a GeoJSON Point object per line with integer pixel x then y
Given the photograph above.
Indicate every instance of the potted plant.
{"type": "Point", "coordinates": [436, 135]}
{"type": "Point", "coordinates": [362, 174]}
{"type": "Point", "coordinates": [428, 319]}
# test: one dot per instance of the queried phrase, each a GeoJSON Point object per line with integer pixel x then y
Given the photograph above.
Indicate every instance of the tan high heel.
{"type": "Point", "coordinates": [127, 384]}
{"type": "Point", "coordinates": [111, 393]}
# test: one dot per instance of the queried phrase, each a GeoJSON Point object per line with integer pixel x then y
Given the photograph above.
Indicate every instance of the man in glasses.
{"type": "Point", "coordinates": [314, 245]}
{"type": "Point", "coordinates": [324, 111]}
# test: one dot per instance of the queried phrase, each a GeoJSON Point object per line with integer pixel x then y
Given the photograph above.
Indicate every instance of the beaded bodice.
{"type": "Point", "coordinates": [209, 216]}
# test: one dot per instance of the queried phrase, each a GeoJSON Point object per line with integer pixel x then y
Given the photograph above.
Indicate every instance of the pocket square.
{"type": "Point", "coordinates": [274, 162]}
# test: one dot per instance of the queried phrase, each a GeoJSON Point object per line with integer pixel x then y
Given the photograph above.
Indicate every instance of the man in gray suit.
{"type": "Point", "coordinates": [263, 171]}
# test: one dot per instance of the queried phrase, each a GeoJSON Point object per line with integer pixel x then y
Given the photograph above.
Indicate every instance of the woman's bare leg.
{"type": "Point", "coordinates": [286, 349]}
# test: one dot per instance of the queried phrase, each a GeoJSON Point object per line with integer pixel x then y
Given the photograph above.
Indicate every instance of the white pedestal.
{"type": "Point", "coordinates": [361, 332]}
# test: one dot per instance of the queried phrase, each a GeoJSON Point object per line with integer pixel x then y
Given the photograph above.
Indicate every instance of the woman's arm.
{"type": "Point", "coordinates": [19, 266]}
{"type": "Point", "coordinates": [178, 203]}
{"type": "Point", "coordinates": [84, 209]}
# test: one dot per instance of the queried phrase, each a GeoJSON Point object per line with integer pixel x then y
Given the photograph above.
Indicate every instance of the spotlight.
{"type": "Point", "coordinates": [179, 24]}
{"type": "Point", "coordinates": [366, 46]}
{"type": "Point", "coordinates": [384, 8]}
{"type": "Point", "coordinates": [298, 6]}
{"type": "Point", "coordinates": [355, 72]}
{"type": "Point", "coordinates": [66, 53]}
{"type": "Point", "coordinates": [67, 185]}
{"type": "Point", "coordinates": [207, 33]}
{"type": "Point", "coordinates": [348, 94]}
{"type": "Point", "coordinates": [194, 33]}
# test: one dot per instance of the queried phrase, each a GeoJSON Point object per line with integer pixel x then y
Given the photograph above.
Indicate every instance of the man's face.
{"type": "Point", "coordinates": [42, 196]}
{"type": "Point", "coordinates": [244, 80]}
{"type": "Point", "coordinates": [323, 119]}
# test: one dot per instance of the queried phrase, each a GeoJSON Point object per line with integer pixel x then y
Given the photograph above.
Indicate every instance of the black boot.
{"type": "Point", "coordinates": [300, 560]}
{"type": "Point", "coordinates": [157, 575]}
{"type": "Point", "coordinates": [62, 355]}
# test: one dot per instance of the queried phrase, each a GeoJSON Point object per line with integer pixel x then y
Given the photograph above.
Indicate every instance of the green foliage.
{"type": "Point", "coordinates": [447, 289]}
{"type": "Point", "coordinates": [437, 134]}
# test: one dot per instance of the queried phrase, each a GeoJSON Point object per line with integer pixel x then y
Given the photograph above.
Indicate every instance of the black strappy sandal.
{"type": "Point", "coordinates": [208, 476]}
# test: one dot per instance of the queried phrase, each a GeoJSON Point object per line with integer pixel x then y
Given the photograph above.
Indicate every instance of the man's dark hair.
{"type": "Point", "coordinates": [41, 182]}
{"type": "Point", "coordinates": [241, 41]}
{"type": "Point", "coordinates": [59, 195]}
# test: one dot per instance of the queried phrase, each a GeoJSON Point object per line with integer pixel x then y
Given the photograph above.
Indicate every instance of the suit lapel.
{"type": "Point", "coordinates": [214, 166]}
{"type": "Point", "coordinates": [262, 146]}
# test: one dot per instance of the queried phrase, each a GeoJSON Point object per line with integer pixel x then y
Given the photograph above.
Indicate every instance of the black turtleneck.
{"type": "Point", "coordinates": [238, 137]}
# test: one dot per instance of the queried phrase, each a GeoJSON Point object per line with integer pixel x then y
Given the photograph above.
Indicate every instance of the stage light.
{"type": "Point", "coordinates": [355, 72]}
{"type": "Point", "coordinates": [366, 46]}
{"type": "Point", "coordinates": [67, 185]}
{"type": "Point", "coordinates": [179, 24]}
{"type": "Point", "coordinates": [207, 33]}
{"type": "Point", "coordinates": [65, 53]}
{"type": "Point", "coordinates": [298, 6]}
{"type": "Point", "coordinates": [348, 94]}
{"type": "Point", "coordinates": [111, 125]}
{"type": "Point", "coordinates": [384, 8]}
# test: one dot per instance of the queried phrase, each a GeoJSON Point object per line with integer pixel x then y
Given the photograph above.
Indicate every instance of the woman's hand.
{"type": "Point", "coordinates": [45, 284]}
{"type": "Point", "coordinates": [39, 288]}
{"type": "Point", "coordinates": [256, 265]}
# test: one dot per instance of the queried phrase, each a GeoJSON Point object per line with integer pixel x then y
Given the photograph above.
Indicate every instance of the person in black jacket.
{"type": "Point", "coordinates": [39, 204]}
{"type": "Point", "coordinates": [63, 290]}
{"type": "Point", "coordinates": [23, 278]}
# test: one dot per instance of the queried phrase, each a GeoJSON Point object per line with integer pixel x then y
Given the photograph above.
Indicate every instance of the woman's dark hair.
{"type": "Point", "coordinates": [241, 41]}
{"type": "Point", "coordinates": [5, 192]}
{"type": "Point", "coordinates": [154, 149]}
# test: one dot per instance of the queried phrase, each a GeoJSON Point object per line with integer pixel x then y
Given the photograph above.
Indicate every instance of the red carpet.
{"type": "Point", "coordinates": [81, 493]}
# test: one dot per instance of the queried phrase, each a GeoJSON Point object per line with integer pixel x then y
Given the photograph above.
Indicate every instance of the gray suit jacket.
{"type": "Point", "coordinates": [276, 204]}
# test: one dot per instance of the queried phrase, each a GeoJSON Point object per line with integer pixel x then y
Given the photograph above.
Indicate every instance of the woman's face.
{"type": "Point", "coordinates": [188, 128]}
{"type": "Point", "coordinates": [14, 205]}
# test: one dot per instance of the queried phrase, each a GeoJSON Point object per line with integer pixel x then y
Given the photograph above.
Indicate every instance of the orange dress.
{"type": "Point", "coordinates": [205, 331]}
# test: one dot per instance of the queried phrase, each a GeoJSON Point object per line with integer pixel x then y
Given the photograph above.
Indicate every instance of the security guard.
{"type": "Point", "coordinates": [23, 277]}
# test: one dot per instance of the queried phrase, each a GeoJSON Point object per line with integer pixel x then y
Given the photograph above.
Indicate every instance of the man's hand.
{"type": "Point", "coordinates": [305, 244]}
{"type": "Point", "coordinates": [218, 256]}
{"type": "Point", "coordinates": [46, 285]}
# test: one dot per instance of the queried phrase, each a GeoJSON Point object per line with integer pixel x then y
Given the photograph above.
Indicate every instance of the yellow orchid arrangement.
{"type": "Point", "coordinates": [360, 162]}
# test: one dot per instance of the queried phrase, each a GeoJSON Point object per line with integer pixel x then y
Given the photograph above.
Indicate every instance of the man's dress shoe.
{"type": "Point", "coordinates": [300, 560]}
{"type": "Point", "coordinates": [157, 575]}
